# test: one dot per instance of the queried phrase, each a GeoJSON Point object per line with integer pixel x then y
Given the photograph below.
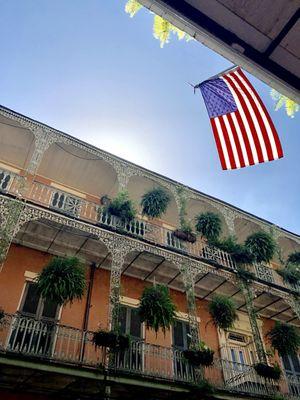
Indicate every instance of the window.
{"type": "Point", "coordinates": [33, 331]}
{"type": "Point", "coordinates": [34, 306]}
{"type": "Point", "coordinates": [181, 335]}
{"type": "Point", "coordinates": [291, 365]}
{"type": "Point", "coordinates": [130, 322]}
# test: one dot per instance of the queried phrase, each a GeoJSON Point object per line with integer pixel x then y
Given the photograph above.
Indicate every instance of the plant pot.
{"type": "Point", "coordinates": [105, 339]}
{"type": "Point", "coordinates": [267, 371]}
{"type": "Point", "coordinates": [186, 236]}
{"type": "Point", "coordinates": [196, 358]}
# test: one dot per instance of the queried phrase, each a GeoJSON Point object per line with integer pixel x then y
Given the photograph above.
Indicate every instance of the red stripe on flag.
{"type": "Point", "coordinates": [275, 134]}
{"type": "Point", "coordinates": [236, 140]}
{"type": "Point", "coordinates": [227, 142]}
{"type": "Point", "coordinates": [218, 143]}
{"type": "Point", "coordinates": [258, 116]}
{"type": "Point", "coordinates": [248, 117]}
{"type": "Point", "coordinates": [245, 136]}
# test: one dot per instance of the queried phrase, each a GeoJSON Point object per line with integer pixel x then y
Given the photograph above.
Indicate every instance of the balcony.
{"type": "Point", "coordinates": [87, 211]}
{"type": "Point", "coordinates": [48, 342]}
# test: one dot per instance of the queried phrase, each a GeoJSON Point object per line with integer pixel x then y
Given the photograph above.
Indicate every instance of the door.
{"type": "Point", "coordinates": [291, 365]}
{"type": "Point", "coordinates": [181, 341]}
{"type": "Point", "coordinates": [34, 328]}
{"type": "Point", "coordinates": [130, 324]}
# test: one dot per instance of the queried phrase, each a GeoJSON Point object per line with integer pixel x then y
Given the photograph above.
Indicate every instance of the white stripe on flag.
{"type": "Point", "coordinates": [241, 139]}
{"type": "Point", "coordinates": [223, 144]}
{"type": "Point", "coordinates": [244, 119]}
{"type": "Point", "coordinates": [254, 118]}
{"type": "Point", "coordinates": [232, 142]}
{"type": "Point", "coordinates": [263, 115]}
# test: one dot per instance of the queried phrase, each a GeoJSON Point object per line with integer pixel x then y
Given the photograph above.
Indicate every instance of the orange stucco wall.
{"type": "Point", "coordinates": [21, 259]}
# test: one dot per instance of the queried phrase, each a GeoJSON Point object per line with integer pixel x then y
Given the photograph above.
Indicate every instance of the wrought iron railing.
{"type": "Point", "coordinates": [50, 341]}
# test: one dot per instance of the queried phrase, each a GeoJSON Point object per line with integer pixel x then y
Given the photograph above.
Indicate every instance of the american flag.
{"type": "Point", "coordinates": [243, 130]}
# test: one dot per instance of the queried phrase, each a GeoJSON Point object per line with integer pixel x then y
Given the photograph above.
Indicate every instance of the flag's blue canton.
{"type": "Point", "coordinates": [218, 98]}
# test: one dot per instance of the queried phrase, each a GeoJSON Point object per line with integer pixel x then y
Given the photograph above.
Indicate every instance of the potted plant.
{"type": "Point", "coordinates": [271, 372]}
{"type": "Point", "coordinates": [261, 245]}
{"type": "Point", "coordinates": [122, 207]}
{"type": "Point", "coordinates": [154, 203]}
{"type": "Point", "coordinates": [62, 280]}
{"type": "Point", "coordinates": [209, 225]}
{"type": "Point", "coordinates": [156, 308]}
{"type": "Point", "coordinates": [284, 338]}
{"type": "Point", "coordinates": [223, 311]}
{"type": "Point", "coordinates": [203, 356]}
{"type": "Point", "coordinates": [185, 231]}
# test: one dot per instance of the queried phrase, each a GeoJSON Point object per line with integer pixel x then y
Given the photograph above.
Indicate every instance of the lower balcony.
{"type": "Point", "coordinates": [52, 344]}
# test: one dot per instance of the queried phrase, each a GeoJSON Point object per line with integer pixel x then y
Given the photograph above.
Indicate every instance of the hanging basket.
{"type": "Point", "coordinates": [105, 339]}
{"type": "Point", "coordinates": [267, 371]}
{"type": "Point", "coordinates": [199, 358]}
{"type": "Point", "coordinates": [111, 339]}
{"type": "Point", "coordinates": [185, 236]}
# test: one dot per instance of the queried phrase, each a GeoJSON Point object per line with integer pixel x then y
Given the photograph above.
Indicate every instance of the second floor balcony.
{"type": "Point", "coordinates": [141, 228]}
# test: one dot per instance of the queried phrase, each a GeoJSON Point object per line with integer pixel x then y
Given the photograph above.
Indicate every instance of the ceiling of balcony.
{"type": "Point", "coordinates": [60, 240]}
{"type": "Point", "coordinates": [261, 36]}
{"type": "Point", "coordinates": [16, 143]}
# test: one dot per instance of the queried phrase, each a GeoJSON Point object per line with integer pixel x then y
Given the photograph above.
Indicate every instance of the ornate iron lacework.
{"type": "Point", "coordinates": [265, 273]}
{"type": "Point", "coordinates": [70, 205]}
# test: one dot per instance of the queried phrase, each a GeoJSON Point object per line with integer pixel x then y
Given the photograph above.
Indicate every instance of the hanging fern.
{"type": "Point", "coordinates": [62, 280]}
{"type": "Point", "coordinates": [261, 245]}
{"type": "Point", "coordinates": [155, 202]}
{"type": "Point", "coordinates": [239, 253]}
{"type": "Point", "coordinates": [294, 258]}
{"type": "Point", "coordinates": [284, 338]}
{"type": "Point", "coordinates": [223, 311]}
{"type": "Point", "coordinates": [157, 309]}
{"type": "Point", "coordinates": [209, 225]}
{"type": "Point", "coordinates": [290, 274]}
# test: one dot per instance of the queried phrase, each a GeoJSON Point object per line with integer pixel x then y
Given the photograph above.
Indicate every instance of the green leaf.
{"type": "Point", "coordinates": [132, 7]}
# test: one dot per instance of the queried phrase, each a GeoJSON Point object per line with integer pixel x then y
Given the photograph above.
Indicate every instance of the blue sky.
{"type": "Point", "coordinates": [88, 69]}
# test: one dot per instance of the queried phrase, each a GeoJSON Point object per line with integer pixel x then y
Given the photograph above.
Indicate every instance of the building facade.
{"type": "Point", "coordinates": [52, 190]}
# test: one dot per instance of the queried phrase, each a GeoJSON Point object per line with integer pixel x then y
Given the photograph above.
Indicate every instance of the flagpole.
{"type": "Point", "coordinates": [213, 77]}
